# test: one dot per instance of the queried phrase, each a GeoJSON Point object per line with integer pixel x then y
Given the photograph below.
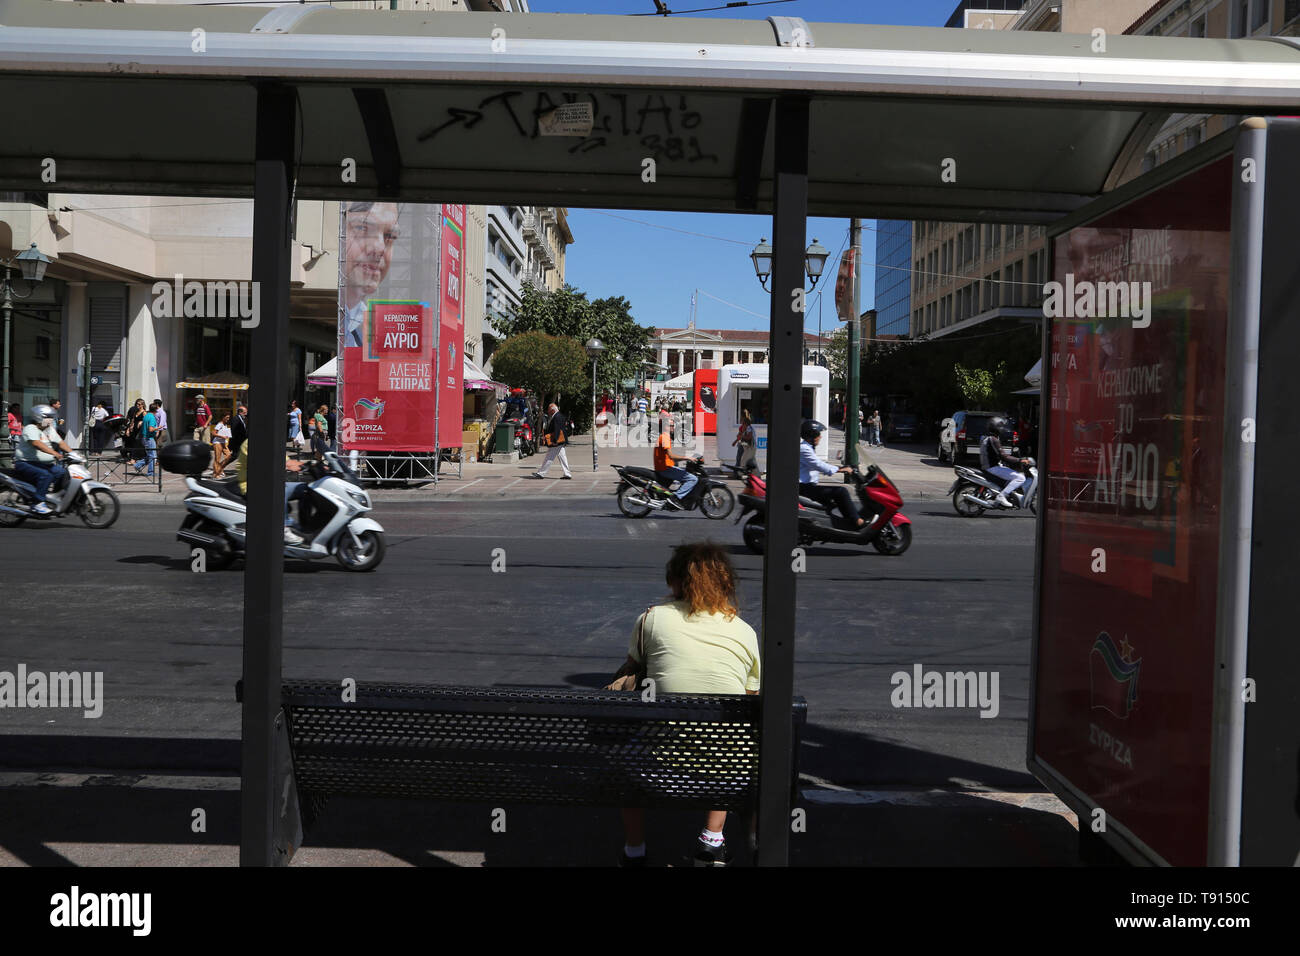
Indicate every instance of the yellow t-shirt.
{"type": "Point", "coordinates": [241, 466]}
{"type": "Point", "coordinates": [697, 654]}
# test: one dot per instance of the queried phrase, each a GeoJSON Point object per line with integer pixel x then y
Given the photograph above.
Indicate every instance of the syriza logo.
{"type": "Point", "coordinates": [369, 409]}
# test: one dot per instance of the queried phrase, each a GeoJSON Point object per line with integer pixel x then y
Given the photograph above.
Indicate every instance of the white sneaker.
{"type": "Point", "coordinates": [41, 508]}
{"type": "Point", "coordinates": [1003, 502]}
{"type": "Point", "coordinates": [291, 536]}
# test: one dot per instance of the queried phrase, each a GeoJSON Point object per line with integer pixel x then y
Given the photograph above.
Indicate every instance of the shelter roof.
{"type": "Point", "coordinates": [159, 99]}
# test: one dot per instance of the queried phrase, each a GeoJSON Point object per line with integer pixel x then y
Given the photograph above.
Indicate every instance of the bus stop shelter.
{"type": "Point", "coordinates": [775, 117]}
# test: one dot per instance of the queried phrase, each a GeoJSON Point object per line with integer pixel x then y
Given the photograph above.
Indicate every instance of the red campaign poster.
{"type": "Point", "coordinates": [1125, 669]}
{"type": "Point", "coordinates": [400, 326]}
{"type": "Point", "coordinates": [452, 330]}
{"type": "Point", "coordinates": [390, 378]}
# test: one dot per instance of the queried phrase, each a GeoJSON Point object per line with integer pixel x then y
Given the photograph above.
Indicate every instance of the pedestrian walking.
{"type": "Point", "coordinates": [744, 443]}
{"type": "Point", "coordinates": [220, 446]}
{"type": "Point", "coordinates": [98, 430]}
{"type": "Point", "coordinates": [695, 643]}
{"type": "Point", "coordinates": [295, 426]}
{"type": "Point", "coordinates": [555, 437]}
{"type": "Point", "coordinates": [134, 440]}
{"type": "Point", "coordinates": [148, 433]}
{"type": "Point", "coordinates": [160, 413]}
{"type": "Point", "coordinates": [239, 430]}
{"type": "Point", "coordinates": [321, 440]}
{"type": "Point", "coordinates": [875, 429]}
{"type": "Point", "coordinates": [202, 420]}
{"type": "Point", "coordinates": [15, 428]}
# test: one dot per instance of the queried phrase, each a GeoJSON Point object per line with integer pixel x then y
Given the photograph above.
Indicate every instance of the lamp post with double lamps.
{"type": "Point", "coordinates": [32, 263]}
{"type": "Point", "coordinates": [594, 348]}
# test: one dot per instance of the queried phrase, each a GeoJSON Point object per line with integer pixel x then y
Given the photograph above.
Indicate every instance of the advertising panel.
{"type": "Point", "coordinates": [1137, 313]}
{"type": "Point", "coordinates": [451, 363]}
{"type": "Point", "coordinates": [844, 286]}
{"type": "Point", "coordinates": [705, 389]}
{"type": "Point", "coordinates": [392, 312]}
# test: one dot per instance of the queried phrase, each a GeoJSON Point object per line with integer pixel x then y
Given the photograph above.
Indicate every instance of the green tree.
{"type": "Point", "coordinates": [552, 366]}
{"type": "Point", "coordinates": [979, 385]}
{"type": "Point", "coordinates": [837, 355]}
{"type": "Point", "coordinates": [567, 313]}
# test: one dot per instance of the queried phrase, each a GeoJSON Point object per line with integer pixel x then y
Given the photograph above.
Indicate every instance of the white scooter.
{"type": "Point", "coordinates": [976, 491]}
{"type": "Point", "coordinates": [92, 501]}
{"type": "Point", "coordinates": [330, 519]}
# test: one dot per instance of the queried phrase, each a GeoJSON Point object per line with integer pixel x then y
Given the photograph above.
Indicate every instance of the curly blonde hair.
{"type": "Point", "coordinates": [701, 575]}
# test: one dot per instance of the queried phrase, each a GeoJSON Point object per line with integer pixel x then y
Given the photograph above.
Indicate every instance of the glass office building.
{"type": "Point", "coordinates": [893, 277]}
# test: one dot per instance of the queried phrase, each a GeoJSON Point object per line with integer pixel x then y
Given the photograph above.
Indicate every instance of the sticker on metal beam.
{"type": "Point", "coordinates": [791, 31]}
{"type": "Point", "coordinates": [567, 119]}
{"type": "Point", "coordinates": [284, 19]}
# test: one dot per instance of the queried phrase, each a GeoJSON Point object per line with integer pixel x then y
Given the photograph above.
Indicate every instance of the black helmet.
{"type": "Point", "coordinates": [997, 425]}
{"type": "Point", "coordinates": [810, 429]}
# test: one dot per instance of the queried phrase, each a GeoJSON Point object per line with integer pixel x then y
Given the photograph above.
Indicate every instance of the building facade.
{"type": "Point", "coordinates": [107, 253]}
{"type": "Point", "coordinates": [525, 246]}
{"type": "Point", "coordinates": [893, 277]}
{"type": "Point", "coordinates": [967, 274]}
{"type": "Point", "coordinates": [684, 350]}
{"type": "Point", "coordinates": [1207, 19]}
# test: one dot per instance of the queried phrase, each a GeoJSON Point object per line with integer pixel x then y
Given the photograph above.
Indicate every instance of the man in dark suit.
{"type": "Point", "coordinates": [238, 431]}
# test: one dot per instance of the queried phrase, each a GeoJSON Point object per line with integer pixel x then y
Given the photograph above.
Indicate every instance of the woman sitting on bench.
{"type": "Point", "coordinates": [694, 644]}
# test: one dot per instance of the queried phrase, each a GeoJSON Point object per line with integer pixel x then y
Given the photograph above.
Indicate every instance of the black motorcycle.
{"type": "Point", "coordinates": [640, 491]}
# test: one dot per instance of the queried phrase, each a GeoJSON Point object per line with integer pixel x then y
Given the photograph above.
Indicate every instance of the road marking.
{"type": "Point", "coordinates": [504, 488]}
{"type": "Point", "coordinates": [463, 487]}
{"type": "Point", "coordinates": [594, 483]}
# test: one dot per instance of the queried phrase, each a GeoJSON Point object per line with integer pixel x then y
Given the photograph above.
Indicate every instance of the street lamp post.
{"type": "Point", "coordinates": [594, 348]}
{"type": "Point", "coordinates": [31, 263]}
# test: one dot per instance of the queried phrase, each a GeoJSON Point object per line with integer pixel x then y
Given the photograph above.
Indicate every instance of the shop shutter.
{"type": "Point", "coordinates": [106, 322]}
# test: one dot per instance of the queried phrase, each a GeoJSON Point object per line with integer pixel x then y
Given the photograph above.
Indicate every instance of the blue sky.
{"type": "Point", "coordinates": [656, 267]}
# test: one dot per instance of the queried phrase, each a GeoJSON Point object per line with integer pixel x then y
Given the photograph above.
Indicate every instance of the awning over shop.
{"type": "Point", "coordinates": [682, 383]}
{"type": "Point", "coordinates": [325, 376]}
{"type": "Point", "coordinates": [218, 382]}
{"type": "Point", "coordinates": [476, 380]}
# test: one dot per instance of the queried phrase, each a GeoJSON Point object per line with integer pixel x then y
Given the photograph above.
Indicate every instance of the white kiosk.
{"type": "Point", "coordinates": [742, 387]}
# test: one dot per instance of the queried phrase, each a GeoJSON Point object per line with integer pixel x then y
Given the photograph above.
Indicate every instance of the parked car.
{"type": "Point", "coordinates": [902, 426]}
{"type": "Point", "coordinates": [962, 433]}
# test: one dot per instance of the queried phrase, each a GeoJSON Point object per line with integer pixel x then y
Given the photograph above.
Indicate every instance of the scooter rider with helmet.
{"type": "Point", "coordinates": [812, 467]}
{"type": "Point", "coordinates": [39, 454]}
{"type": "Point", "coordinates": [995, 460]}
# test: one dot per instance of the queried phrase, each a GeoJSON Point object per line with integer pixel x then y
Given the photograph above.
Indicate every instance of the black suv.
{"type": "Point", "coordinates": [962, 433]}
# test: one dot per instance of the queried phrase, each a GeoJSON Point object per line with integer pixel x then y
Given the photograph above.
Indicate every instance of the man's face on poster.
{"type": "Point", "coordinates": [371, 234]}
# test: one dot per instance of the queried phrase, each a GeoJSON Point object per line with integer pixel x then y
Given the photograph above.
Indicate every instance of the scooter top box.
{"type": "Point", "coordinates": [185, 457]}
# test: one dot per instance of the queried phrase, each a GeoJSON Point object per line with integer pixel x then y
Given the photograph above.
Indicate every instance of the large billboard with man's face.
{"type": "Point", "coordinates": [393, 310]}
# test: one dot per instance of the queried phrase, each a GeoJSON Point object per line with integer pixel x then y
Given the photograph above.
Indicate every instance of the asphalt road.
{"type": "Point", "coordinates": [124, 601]}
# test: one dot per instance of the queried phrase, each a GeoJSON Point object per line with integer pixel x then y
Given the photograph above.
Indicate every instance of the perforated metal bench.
{"type": "Point", "coordinates": [535, 745]}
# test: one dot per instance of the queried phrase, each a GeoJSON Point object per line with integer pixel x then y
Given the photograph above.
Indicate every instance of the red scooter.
{"type": "Point", "coordinates": [887, 530]}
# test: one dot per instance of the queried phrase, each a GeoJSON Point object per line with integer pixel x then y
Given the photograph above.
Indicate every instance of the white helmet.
{"type": "Point", "coordinates": [41, 415]}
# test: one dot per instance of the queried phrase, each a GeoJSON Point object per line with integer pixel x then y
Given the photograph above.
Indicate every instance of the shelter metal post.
{"type": "Point", "coordinates": [264, 564]}
{"type": "Point", "coordinates": [789, 226]}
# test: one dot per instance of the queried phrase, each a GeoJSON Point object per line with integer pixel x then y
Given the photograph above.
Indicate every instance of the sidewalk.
{"type": "Point", "coordinates": [912, 467]}
{"type": "Point", "coordinates": [134, 819]}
